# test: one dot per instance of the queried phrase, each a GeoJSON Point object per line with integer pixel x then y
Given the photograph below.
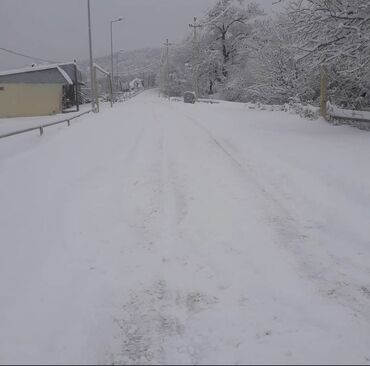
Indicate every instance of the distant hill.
{"type": "Point", "coordinates": [130, 64]}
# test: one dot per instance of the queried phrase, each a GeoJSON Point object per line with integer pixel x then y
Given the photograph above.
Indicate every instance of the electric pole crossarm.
{"type": "Point", "coordinates": [195, 26]}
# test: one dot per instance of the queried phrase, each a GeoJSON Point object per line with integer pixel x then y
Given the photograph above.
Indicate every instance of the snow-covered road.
{"type": "Point", "coordinates": [162, 232]}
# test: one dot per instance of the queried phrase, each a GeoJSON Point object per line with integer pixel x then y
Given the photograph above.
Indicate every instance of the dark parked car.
{"type": "Point", "coordinates": [189, 97]}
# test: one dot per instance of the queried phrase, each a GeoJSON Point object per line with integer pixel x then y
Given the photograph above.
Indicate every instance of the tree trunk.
{"type": "Point", "coordinates": [210, 91]}
{"type": "Point", "coordinates": [225, 54]}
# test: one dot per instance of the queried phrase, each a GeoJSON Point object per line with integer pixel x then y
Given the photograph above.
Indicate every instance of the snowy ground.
{"type": "Point", "coordinates": [163, 232]}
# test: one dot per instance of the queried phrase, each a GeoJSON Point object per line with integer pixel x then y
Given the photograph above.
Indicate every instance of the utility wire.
{"type": "Point", "coordinates": [138, 70]}
{"type": "Point", "coordinates": [27, 56]}
{"type": "Point", "coordinates": [184, 44]}
{"type": "Point", "coordinates": [210, 21]}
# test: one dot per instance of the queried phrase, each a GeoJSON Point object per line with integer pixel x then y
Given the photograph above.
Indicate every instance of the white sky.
{"type": "Point", "coordinates": [57, 29]}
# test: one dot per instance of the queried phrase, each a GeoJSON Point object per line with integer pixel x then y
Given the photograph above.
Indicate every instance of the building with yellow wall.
{"type": "Point", "coordinates": [19, 100]}
{"type": "Point", "coordinates": [38, 91]}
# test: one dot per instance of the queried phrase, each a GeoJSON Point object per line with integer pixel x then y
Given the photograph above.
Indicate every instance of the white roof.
{"type": "Point", "coordinates": [39, 68]}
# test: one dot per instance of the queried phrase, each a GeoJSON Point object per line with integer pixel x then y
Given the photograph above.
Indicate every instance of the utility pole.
{"type": "Point", "coordinates": [167, 44]}
{"type": "Point", "coordinates": [195, 56]}
{"type": "Point", "coordinates": [111, 50]}
{"type": "Point", "coordinates": [93, 92]}
{"type": "Point", "coordinates": [161, 74]}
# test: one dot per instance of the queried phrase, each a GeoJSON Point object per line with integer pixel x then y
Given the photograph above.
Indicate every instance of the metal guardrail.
{"type": "Point", "coordinates": [349, 118]}
{"type": "Point", "coordinates": [199, 100]}
{"type": "Point", "coordinates": [208, 101]}
{"type": "Point", "coordinates": [41, 127]}
{"type": "Point", "coordinates": [346, 114]}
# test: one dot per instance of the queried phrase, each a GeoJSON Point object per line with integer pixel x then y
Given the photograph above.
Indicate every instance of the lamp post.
{"type": "Point", "coordinates": [111, 47]}
{"type": "Point", "coordinates": [93, 91]}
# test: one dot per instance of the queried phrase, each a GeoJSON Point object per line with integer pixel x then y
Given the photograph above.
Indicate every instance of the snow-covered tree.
{"type": "Point", "coordinates": [243, 55]}
{"type": "Point", "coordinates": [335, 33]}
{"type": "Point", "coordinates": [278, 75]}
{"type": "Point", "coordinates": [228, 24]}
{"type": "Point", "coordinates": [332, 31]}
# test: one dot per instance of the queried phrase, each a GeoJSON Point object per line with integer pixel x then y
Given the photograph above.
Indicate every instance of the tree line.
{"type": "Point", "coordinates": [243, 54]}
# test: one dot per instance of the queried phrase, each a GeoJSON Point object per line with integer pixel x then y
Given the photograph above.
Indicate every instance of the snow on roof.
{"type": "Point", "coordinates": [65, 75]}
{"type": "Point", "coordinates": [28, 69]}
{"type": "Point", "coordinates": [40, 68]}
{"type": "Point", "coordinates": [136, 81]}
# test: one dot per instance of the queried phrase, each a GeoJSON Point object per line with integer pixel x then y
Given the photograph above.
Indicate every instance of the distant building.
{"type": "Point", "coordinates": [39, 90]}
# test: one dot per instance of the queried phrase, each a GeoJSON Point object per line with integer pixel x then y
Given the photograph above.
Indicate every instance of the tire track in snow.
{"type": "Point", "coordinates": [163, 321]}
{"type": "Point", "coordinates": [150, 329]}
{"type": "Point", "coordinates": [142, 325]}
{"type": "Point", "coordinates": [292, 235]}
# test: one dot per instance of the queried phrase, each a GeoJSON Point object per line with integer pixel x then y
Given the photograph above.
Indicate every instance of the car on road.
{"type": "Point", "coordinates": [189, 97]}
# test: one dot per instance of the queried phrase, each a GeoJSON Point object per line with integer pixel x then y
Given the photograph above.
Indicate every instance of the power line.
{"type": "Point", "coordinates": [27, 56]}
{"type": "Point", "coordinates": [184, 44]}
{"type": "Point", "coordinates": [210, 21]}
{"type": "Point", "coordinates": [138, 70]}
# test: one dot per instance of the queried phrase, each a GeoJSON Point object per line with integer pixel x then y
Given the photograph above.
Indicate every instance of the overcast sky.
{"type": "Point", "coordinates": [57, 29]}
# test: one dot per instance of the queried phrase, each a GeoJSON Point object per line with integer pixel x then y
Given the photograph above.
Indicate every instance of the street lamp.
{"type": "Point", "coordinates": [93, 91]}
{"type": "Point", "coordinates": [111, 46]}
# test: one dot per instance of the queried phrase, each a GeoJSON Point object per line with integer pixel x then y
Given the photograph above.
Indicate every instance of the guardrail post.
{"type": "Point", "coordinates": [69, 122]}
{"type": "Point", "coordinates": [41, 131]}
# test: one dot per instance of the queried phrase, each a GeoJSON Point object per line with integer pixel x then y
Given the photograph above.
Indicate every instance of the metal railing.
{"type": "Point", "coordinates": [40, 128]}
{"type": "Point", "coordinates": [347, 114]}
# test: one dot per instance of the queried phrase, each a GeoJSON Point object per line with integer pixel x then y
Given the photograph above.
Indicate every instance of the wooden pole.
{"type": "Point", "coordinates": [323, 91]}
{"type": "Point", "coordinates": [167, 44]}
{"type": "Point", "coordinates": [195, 57]}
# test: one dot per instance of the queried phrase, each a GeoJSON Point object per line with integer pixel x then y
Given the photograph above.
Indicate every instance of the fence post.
{"type": "Point", "coordinates": [323, 91]}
